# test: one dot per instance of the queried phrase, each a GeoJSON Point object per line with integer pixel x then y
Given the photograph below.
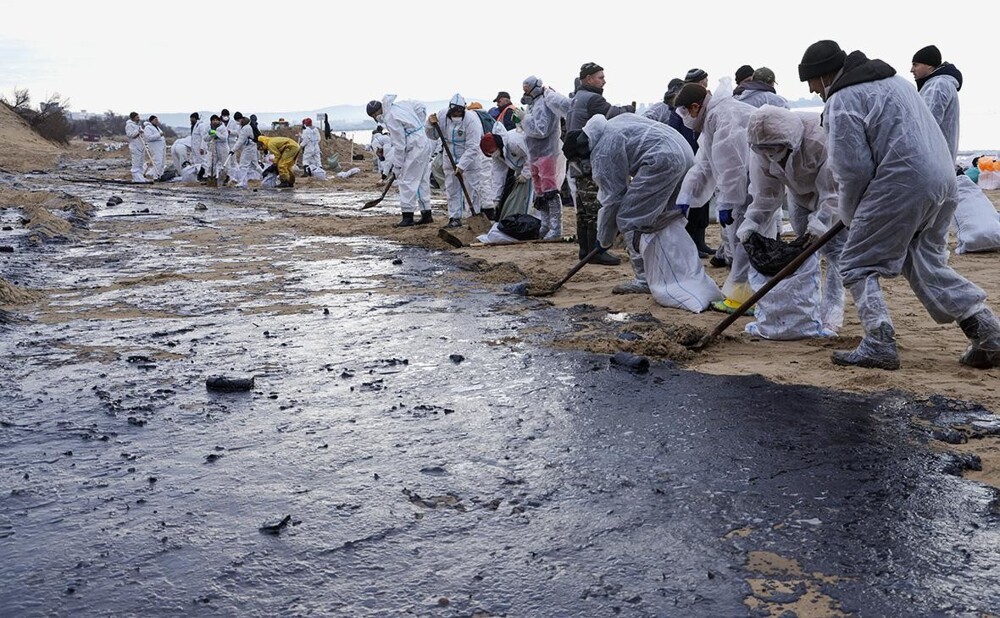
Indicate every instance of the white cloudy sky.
{"type": "Point", "coordinates": [177, 57]}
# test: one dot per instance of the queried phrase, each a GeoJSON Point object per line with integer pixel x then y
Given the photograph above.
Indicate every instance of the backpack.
{"type": "Point", "coordinates": [487, 120]}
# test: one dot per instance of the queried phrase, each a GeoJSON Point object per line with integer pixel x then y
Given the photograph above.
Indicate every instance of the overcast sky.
{"type": "Point", "coordinates": [178, 57]}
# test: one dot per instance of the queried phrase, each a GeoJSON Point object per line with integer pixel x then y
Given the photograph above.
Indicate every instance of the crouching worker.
{"type": "Point", "coordinates": [638, 165]}
{"type": "Point", "coordinates": [285, 150]}
{"type": "Point", "coordinates": [788, 158]}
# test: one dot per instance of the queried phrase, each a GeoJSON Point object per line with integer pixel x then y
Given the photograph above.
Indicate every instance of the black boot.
{"type": "Point", "coordinates": [425, 218]}
{"type": "Point", "coordinates": [407, 220]}
{"type": "Point", "coordinates": [582, 238]}
{"type": "Point", "coordinates": [491, 213]}
{"type": "Point", "coordinates": [604, 257]}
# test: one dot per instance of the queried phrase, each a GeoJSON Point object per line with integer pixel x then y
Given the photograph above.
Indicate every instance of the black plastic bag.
{"type": "Point", "coordinates": [768, 256]}
{"type": "Point", "coordinates": [521, 227]}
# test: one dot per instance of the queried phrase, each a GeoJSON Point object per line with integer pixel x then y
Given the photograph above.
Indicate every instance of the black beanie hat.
{"type": "Point", "coordinates": [673, 88]}
{"type": "Point", "coordinates": [690, 93]}
{"type": "Point", "coordinates": [821, 57]}
{"type": "Point", "coordinates": [743, 72]}
{"type": "Point", "coordinates": [695, 75]}
{"type": "Point", "coordinates": [928, 55]}
{"type": "Point", "coordinates": [590, 68]}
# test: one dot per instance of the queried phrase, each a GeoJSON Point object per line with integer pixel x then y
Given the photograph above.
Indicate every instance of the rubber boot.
{"type": "Point", "coordinates": [603, 257]}
{"type": "Point", "coordinates": [307, 171]}
{"type": "Point", "coordinates": [454, 222]}
{"type": "Point", "coordinates": [491, 213]}
{"type": "Point", "coordinates": [876, 351]}
{"type": "Point", "coordinates": [582, 238]}
{"type": "Point", "coordinates": [425, 218]}
{"type": "Point", "coordinates": [407, 220]}
{"type": "Point", "coordinates": [983, 330]}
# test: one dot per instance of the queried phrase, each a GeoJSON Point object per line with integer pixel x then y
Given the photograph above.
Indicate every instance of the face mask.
{"type": "Point", "coordinates": [225, 119]}
{"type": "Point", "coordinates": [380, 118]}
{"type": "Point", "coordinates": [686, 117]}
{"type": "Point", "coordinates": [774, 152]}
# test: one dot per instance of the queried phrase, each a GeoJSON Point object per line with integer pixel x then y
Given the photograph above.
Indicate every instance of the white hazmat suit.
{"type": "Point", "coordinates": [136, 149]}
{"type": "Point", "coordinates": [461, 136]}
{"type": "Point", "coordinates": [638, 165]}
{"type": "Point", "coordinates": [157, 147]}
{"type": "Point", "coordinates": [789, 159]}
{"type": "Point", "coordinates": [411, 151]}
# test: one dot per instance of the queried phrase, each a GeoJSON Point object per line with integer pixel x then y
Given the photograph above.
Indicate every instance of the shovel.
{"type": "Point", "coordinates": [789, 269]}
{"type": "Point", "coordinates": [454, 165]}
{"type": "Point", "coordinates": [571, 272]}
{"type": "Point", "coordinates": [377, 200]}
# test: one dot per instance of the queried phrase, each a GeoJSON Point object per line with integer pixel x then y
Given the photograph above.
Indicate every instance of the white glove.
{"type": "Point", "coordinates": [521, 179]}
{"type": "Point", "coordinates": [816, 227]}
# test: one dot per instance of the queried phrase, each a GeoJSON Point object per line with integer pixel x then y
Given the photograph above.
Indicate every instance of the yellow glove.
{"type": "Point", "coordinates": [433, 118]}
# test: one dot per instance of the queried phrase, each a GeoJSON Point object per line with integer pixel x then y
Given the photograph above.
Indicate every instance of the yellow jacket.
{"type": "Point", "coordinates": [278, 145]}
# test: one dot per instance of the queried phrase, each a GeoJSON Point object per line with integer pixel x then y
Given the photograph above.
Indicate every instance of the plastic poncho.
{"type": "Point", "coordinates": [638, 165]}
{"type": "Point", "coordinates": [411, 151]}
{"type": "Point", "coordinates": [514, 157]}
{"type": "Point", "coordinates": [896, 183]}
{"type": "Point", "coordinates": [807, 181]}
{"type": "Point", "coordinates": [940, 93]}
{"type": "Point", "coordinates": [721, 163]}
{"type": "Point", "coordinates": [653, 156]}
{"type": "Point", "coordinates": [805, 176]}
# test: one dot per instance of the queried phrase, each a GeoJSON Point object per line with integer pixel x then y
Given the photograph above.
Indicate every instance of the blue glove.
{"type": "Point", "coordinates": [726, 217]}
{"type": "Point", "coordinates": [683, 208]}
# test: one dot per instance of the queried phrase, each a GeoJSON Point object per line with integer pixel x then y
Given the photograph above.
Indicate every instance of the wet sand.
{"type": "Point", "coordinates": [435, 437]}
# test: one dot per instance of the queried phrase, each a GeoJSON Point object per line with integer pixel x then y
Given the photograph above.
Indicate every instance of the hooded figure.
{"type": "Point", "coordinates": [410, 156]}
{"type": "Point", "coordinates": [381, 145]}
{"type": "Point", "coordinates": [509, 166]}
{"type": "Point", "coordinates": [462, 130]}
{"type": "Point", "coordinates": [541, 126]}
{"type": "Point", "coordinates": [897, 193]}
{"type": "Point", "coordinates": [720, 166]}
{"type": "Point", "coordinates": [638, 165]}
{"type": "Point", "coordinates": [789, 159]}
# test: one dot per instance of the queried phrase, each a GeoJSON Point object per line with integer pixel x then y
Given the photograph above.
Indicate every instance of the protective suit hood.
{"type": "Point", "coordinates": [457, 100]}
{"type": "Point", "coordinates": [774, 125]}
{"type": "Point", "coordinates": [594, 129]}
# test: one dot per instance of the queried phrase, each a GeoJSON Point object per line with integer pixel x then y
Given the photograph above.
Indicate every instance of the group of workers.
{"type": "Point", "coordinates": [878, 165]}
{"type": "Point", "coordinates": [230, 143]}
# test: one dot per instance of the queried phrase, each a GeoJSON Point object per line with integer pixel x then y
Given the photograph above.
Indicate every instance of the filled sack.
{"type": "Point", "coordinates": [977, 223]}
{"type": "Point", "coordinates": [675, 274]}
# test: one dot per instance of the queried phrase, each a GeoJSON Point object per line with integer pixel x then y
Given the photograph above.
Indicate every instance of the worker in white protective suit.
{"type": "Point", "coordinates": [198, 151]}
{"type": "Point", "coordinates": [232, 133]}
{"type": "Point", "coordinates": [897, 195]}
{"type": "Point", "coordinates": [789, 159]}
{"type": "Point", "coordinates": [309, 143]}
{"type": "Point", "coordinates": [720, 166]}
{"type": "Point", "coordinates": [510, 172]}
{"type": "Point", "coordinates": [180, 152]}
{"type": "Point", "coordinates": [249, 158]}
{"type": "Point", "coordinates": [136, 147]}
{"type": "Point", "coordinates": [411, 154]}
{"type": "Point", "coordinates": [462, 131]}
{"type": "Point", "coordinates": [216, 143]}
{"type": "Point", "coordinates": [638, 165]}
{"type": "Point", "coordinates": [381, 145]}
{"type": "Point", "coordinates": [153, 135]}
{"type": "Point", "coordinates": [542, 129]}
